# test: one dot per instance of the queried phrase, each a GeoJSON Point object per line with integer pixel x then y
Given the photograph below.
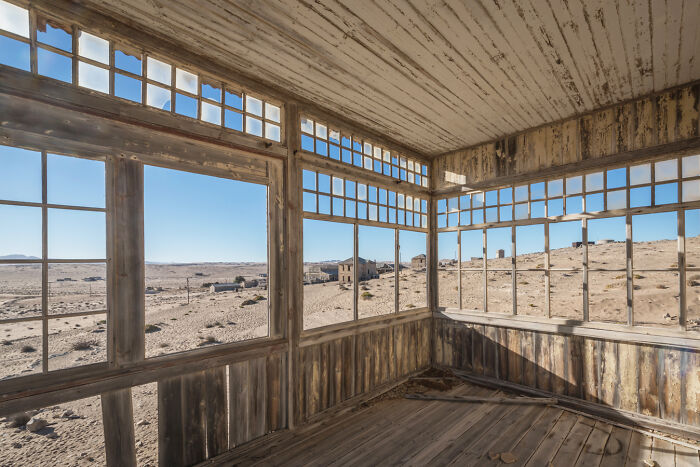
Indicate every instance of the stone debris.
{"type": "Point", "coordinates": [36, 424]}
{"type": "Point", "coordinates": [508, 458]}
{"type": "Point", "coordinates": [143, 422]}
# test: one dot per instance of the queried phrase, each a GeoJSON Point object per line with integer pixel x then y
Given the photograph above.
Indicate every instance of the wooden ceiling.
{"type": "Point", "coordinates": [440, 75]}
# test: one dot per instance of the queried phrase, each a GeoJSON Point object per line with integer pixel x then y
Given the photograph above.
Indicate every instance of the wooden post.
{"type": "Point", "coordinates": [294, 259]}
{"type": "Point", "coordinates": [126, 307]}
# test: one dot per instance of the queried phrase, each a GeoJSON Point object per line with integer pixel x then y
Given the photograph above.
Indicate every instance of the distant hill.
{"type": "Point", "coordinates": [18, 257]}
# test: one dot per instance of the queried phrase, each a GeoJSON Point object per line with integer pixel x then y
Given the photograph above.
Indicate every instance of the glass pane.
{"type": "Point", "coordinates": [566, 294]}
{"type": "Point", "coordinates": [253, 126]}
{"type": "Point", "coordinates": [20, 349]}
{"type": "Point", "coordinates": [202, 287]}
{"type": "Point", "coordinates": [521, 193]}
{"type": "Point", "coordinates": [499, 292]}
{"type": "Point", "coordinates": [607, 248]}
{"type": "Point", "coordinates": [211, 113]}
{"type": "Point", "coordinates": [307, 126]}
{"type": "Point", "coordinates": [640, 174]}
{"type": "Point", "coordinates": [594, 182]}
{"type": "Point", "coordinates": [76, 288]}
{"type": "Point", "coordinates": [54, 65]}
{"type": "Point", "coordinates": [77, 341]}
{"type": "Point", "coordinates": [565, 245]}
{"type": "Point", "coordinates": [448, 287]}
{"type": "Point", "coordinates": [328, 280]}
{"type": "Point", "coordinates": [473, 290]}
{"type": "Point", "coordinates": [555, 207]}
{"type": "Point", "coordinates": [20, 291]}
{"type": "Point", "coordinates": [376, 271]}
{"type": "Point", "coordinates": [20, 235]}
{"type": "Point", "coordinates": [272, 132]}
{"type": "Point", "coordinates": [93, 47]}
{"type": "Point", "coordinates": [14, 53]}
{"type": "Point", "coordinates": [472, 249]}
{"type": "Point", "coordinates": [158, 97]}
{"type": "Point", "coordinates": [617, 199]}
{"type": "Point", "coordinates": [159, 71]}
{"type": "Point", "coordinates": [505, 195]}
{"type": "Point", "coordinates": [75, 181]}
{"type": "Point", "coordinates": [93, 77]}
{"type": "Point", "coordinates": [656, 300]}
{"type": "Point", "coordinates": [499, 248]}
{"type": "Point", "coordinates": [14, 19]}
{"type": "Point", "coordinates": [554, 188]}
{"type": "Point", "coordinates": [691, 166]}
{"type": "Point", "coordinates": [20, 177]}
{"type": "Point", "coordinates": [272, 112]}
{"type": "Point", "coordinates": [413, 270]}
{"type": "Point", "coordinates": [76, 234]}
{"type": "Point", "coordinates": [127, 88]}
{"type": "Point", "coordinates": [529, 245]}
{"type": "Point", "coordinates": [666, 170]}
{"type": "Point", "coordinates": [309, 202]}
{"type": "Point", "coordinates": [607, 299]}
{"type": "Point", "coordinates": [655, 241]}
{"type": "Point", "coordinates": [574, 185]}
{"type": "Point", "coordinates": [531, 293]}
{"type": "Point", "coordinates": [321, 131]}
{"type": "Point", "coordinates": [253, 106]}
{"type": "Point", "coordinates": [691, 191]}
{"type": "Point", "coordinates": [211, 90]}
{"type": "Point", "coordinates": [186, 81]}
{"type": "Point", "coordinates": [537, 191]}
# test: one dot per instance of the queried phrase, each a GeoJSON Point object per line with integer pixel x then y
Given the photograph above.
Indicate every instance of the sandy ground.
{"type": "Point", "coordinates": [655, 293]}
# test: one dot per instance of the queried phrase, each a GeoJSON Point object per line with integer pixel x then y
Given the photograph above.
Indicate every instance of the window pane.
{"type": "Point", "coordinates": [253, 105]}
{"type": "Point", "coordinates": [529, 245]}
{"type": "Point", "coordinates": [555, 188]}
{"type": "Point", "coordinates": [594, 182]}
{"type": "Point", "coordinates": [448, 287]}
{"type": "Point", "coordinates": [566, 294]}
{"type": "Point", "coordinates": [159, 71]}
{"type": "Point", "coordinates": [472, 290]}
{"type": "Point", "coordinates": [14, 53]}
{"type": "Point", "coordinates": [233, 120]}
{"type": "Point", "coordinates": [127, 88]}
{"type": "Point", "coordinates": [472, 249]}
{"type": "Point", "coordinates": [499, 292]}
{"type": "Point", "coordinates": [128, 61]}
{"type": "Point", "coordinates": [607, 298]}
{"type": "Point", "coordinates": [376, 271]}
{"type": "Point", "coordinates": [217, 252]}
{"type": "Point", "coordinates": [211, 113]}
{"type": "Point", "coordinates": [20, 177]}
{"type": "Point", "coordinates": [76, 234]}
{"type": "Point", "coordinates": [21, 349]}
{"type": "Point", "coordinates": [692, 238]}
{"type": "Point", "coordinates": [253, 126]}
{"type": "Point", "coordinates": [609, 248]}
{"type": "Point", "coordinates": [211, 91]}
{"type": "Point", "coordinates": [77, 341]}
{"type": "Point", "coordinates": [574, 185]}
{"type": "Point", "coordinates": [75, 182]}
{"type": "Point", "coordinates": [272, 112]}
{"type": "Point", "coordinates": [656, 298]}
{"type": "Point", "coordinates": [617, 178]}
{"type": "Point", "coordinates": [655, 241]}
{"type": "Point", "coordinates": [499, 248]}
{"type": "Point", "coordinates": [691, 191]}
{"type": "Point", "coordinates": [272, 132]}
{"type": "Point", "coordinates": [55, 36]}
{"type": "Point", "coordinates": [413, 270]}
{"type": "Point", "coordinates": [20, 289]}
{"type": "Point", "coordinates": [186, 81]}
{"type": "Point", "coordinates": [76, 288]}
{"type": "Point", "coordinates": [328, 273]}
{"type": "Point", "coordinates": [93, 77]}
{"type": "Point", "coordinates": [14, 19]}
{"type": "Point", "coordinates": [234, 100]}
{"type": "Point", "coordinates": [666, 170]}
{"type": "Point", "coordinates": [20, 237]}
{"type": "Point", "coordinates": [93, 47]}
{"type": "Point", "coordinates": [691, 166]}
{"type": "Point", "coordinates": [531, 293]}
{"type": "Point", "coordinates": [55, 66]}
{"type": "Point", "coordinates": [158, 97]}
{"type": "Point", "coordinates": [565, 245]}
{"type": "Point", "coordinates": [640, 174]}
{"type": "Point", "coordinates": [185, 105]}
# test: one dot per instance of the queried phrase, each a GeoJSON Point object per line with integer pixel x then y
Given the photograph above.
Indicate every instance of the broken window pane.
{"type": "Point", "coordinates": [14, 53]}
{"type": "Point", "coordinates": [127, 87]}
{"type": "Point", "coordinates": [53, 65]}
{"type": "Point", "coordinates": [55, 37]}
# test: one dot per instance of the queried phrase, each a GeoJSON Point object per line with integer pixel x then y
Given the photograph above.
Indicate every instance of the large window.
{"type": "Point", "coordinates": [206, 251]}
{"type": "Point", "coordinates": [609, 246]}
{"type": "Point", "coordinates": [53, 262]}
{"type": "Point", "coordinates": [110, 67]}
{"type": "Point", "coordinates": [356, 263]}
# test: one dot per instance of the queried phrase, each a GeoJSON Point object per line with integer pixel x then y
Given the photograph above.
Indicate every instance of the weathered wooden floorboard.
{"type": "Point", "coordinates": [616, 447]}
{"type": "Point", "coordinates": [551, 444]}
{"type": "Point", "coordinates": [594, 448]}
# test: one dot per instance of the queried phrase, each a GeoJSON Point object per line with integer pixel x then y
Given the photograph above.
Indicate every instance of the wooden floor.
{"type": "Point", "coordinates": [411, 432]}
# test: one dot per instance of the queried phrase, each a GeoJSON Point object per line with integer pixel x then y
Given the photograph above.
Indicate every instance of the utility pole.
{"type": "Point", "coordinates": [188, 290]}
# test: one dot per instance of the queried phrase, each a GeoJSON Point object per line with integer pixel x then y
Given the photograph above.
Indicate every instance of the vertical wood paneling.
{"type": "Point", "coordinates": [575, 378]}
{"type": "Point", "coordinates": [671, 386]}
{"type": "Point", "coordinates": [648, 381]}
{"type": "Point", "coordinates": [692, 388]}
{"type": "Point", "coordinates": [628, 365]}
{"type": "Point", "coordinates": [609, 373]}
{"type": "Point", "coordinates": [238, 403]}
{"type": "Point", "coordinates": [170, 421]}
{"type": "Point", "coordinates": [543, 371]}
{"type": "Point", "coordinates": [194, 423]}
{"type": "Point", "coordinates": [216, 413]}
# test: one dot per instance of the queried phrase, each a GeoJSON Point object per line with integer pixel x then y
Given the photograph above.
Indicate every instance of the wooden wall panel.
{"type": "Point", "coordinates": [656, 381]}
{"type": "Point", "coordinates": [331, 372]}
{"type": "Point", "coordinates": [665, 118]}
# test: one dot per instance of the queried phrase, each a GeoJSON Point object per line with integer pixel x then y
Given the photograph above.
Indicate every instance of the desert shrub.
{"type": "Point", "coordinates": [248, 302]}
{"type": "Point", "coordinates": [19, 420]}
{"type": "Point", "coordinates": [164, 345]}
{"type": "Point", "coordinates": [638, 276]}
{"type": "Point", "coordinates": [152, 328]}
{"type": "Point", "coordinates": [258, 298]}
{"type": "Point", "coordinates": [5, 342]}
{"type": "Point", "coordinates": [208, 340]}
{"type": "Point", "coordinates": [661, 286]}
{"type": "Point", "coordinates": [366, 295]}
{"type": "Point", "coordinates": [102, 321]}
{"type": "Point", "coordinates": [239, 279]}
{"type": "Point", "coordinates": [27, 349]}
{"type": "Point", "coordinates": [410, 305]}
{"type": "Point", "coordinates": [84, 345]}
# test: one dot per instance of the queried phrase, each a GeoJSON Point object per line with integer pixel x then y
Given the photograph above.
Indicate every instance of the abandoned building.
{"type": "Point", "coordinates": [538, 161]}
{"type": "Point", "coordinates": [367, 270]}
{"type": "Point", "coordinates": [418, 262]}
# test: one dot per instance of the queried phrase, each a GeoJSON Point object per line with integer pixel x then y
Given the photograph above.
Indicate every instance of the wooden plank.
{"type": "Point", "coordinates": [663, 452]}
{"type": "Point", "coordinates": [478, 349]}
{"type": "Point", "coordinates": [616, 448]}
{"type": "Point", "coordinates": [692, 388]}
{"type": "Point", "coordinates": [575, 441]}
{"type": "Point", "coordinates": [639, 449]}
{"type": "Point", "coordinates": [550, 445]}
{"type": "Point", "coordinates": [544, 358]}
{"type": "Point", "coordinates": [273, 390]}
{"type": "Point", "coordinates": [609, 359]}
{"type": "Point", "coordinates": [591, 380]}
{"type": "Point", "coordinates": [118, 426]}
{"type": "Point", "coordinates": [529, 359]}
{"type": "Point", "coordinates": [685, 456]}
{"type": "Point", "coordinates": [257, 398]}
{"type": "Point", "coordinates": [672, 381]}
{"type": "Point", "coordinates": [649, 402]}
{"type": "Point", "coordinates": [490, 348]}
{"type": "Point", "coordinates": [594, 448]}
{"type": "Point", "coordinates": [194, 428]}
{"type": "Point", "coordinates": [574, 380]}
{"type": "Point", "coordinates": [216, 413]}
{"type": "Point", "coordinates": [628, 377]}
{"type": "Point", "coordinates": [502, 343]}
{"type": "Point", "coordinates": [515, 358]}
{"type": "Point", "coordinates": [558, 358]}
{"type": "Point", "coordinates": [348, 369]}
{"type": "Point", "coordinates": [324, 380]}
{"type": "Point", "coordinates": [485, 400]}
{"type": "Point", "coordinates": [170, 423]}
{"type": "Point", "coordinates": [239, 406]}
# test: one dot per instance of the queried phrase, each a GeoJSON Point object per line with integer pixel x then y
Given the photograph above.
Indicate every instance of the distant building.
{"type": "Point", "coordinates": [604, 241]}
{"type": "Point", "coordinates": [250, 283]}
{"type": "Point", "coordinates": [226, 286]}
{"type": "Point", "coordinates": [501, 253]}
{"type": "Point", "coordinates": [262, 274]}
{"type": "Point", "coordinates": [446, 263]}
{"type": "Point", "coordinates": [318, 273]}
{"type": "Point", "coordinates": [367, 270]}
{"type": "Point", "coordinates": [477, 258]}
{"type": "Point", "coordinates": [418, 262]}
{"type": "Point", "coordinates": [383, 268]}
